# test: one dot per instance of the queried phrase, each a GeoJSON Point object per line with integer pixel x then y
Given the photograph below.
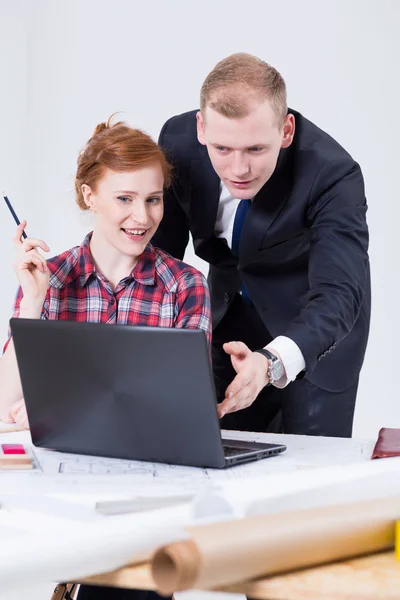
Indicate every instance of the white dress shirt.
{"type": "Point", "coordinates": [291, 355]}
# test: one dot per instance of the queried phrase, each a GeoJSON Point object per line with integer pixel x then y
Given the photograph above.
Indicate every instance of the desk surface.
{"type": "Point", "coordinates": [303, 452]}
{"type": "Point", "coordinates": [58, 473]}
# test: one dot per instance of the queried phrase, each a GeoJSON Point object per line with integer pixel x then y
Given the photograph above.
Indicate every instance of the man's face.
{"type": "Point", "coordinates": [244, 151]}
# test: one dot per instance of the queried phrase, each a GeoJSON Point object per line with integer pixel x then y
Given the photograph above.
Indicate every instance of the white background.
{"type": "Point", "coordinates": [67, 65]}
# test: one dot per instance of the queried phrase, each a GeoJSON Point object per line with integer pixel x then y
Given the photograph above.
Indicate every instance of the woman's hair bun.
{"type": "Point", "coordinates": [101, 127]}
{"type": "Point", "coordinates": [107, 125]}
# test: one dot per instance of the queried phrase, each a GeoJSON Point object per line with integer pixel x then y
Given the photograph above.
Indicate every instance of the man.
{"type": "Point", "coordinates": [277, 208]}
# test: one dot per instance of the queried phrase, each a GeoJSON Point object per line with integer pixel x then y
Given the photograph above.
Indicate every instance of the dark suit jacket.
{"type": "Point", "coordinates": [303, 250]}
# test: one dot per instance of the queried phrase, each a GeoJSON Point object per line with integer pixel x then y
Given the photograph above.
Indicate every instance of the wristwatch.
{"type": "Point", "coordinates": [275, 365]}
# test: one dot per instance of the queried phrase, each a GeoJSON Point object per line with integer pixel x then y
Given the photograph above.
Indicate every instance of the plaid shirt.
{"type": "Point", "coordinates": [161, 291]}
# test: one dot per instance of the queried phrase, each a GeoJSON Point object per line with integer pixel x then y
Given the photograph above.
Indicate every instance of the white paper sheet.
{"type": "Point", "coordinates": [320, 486]}
{"type": "Point", "coordinates": [62, 472]}
{"type": "Point", "coordinates": [68, 551]}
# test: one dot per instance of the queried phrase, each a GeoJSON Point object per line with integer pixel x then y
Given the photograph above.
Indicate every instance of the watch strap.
{"type": "Point", "coordinates": [271, 357]}
{"type": "Point", "coordinates": [266, 353]}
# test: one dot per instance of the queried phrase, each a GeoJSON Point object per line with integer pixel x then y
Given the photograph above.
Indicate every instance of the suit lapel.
{"type": "Point", "coordinates": [205, 192]}
{"type": "Point", "coordinates": [265, 208]}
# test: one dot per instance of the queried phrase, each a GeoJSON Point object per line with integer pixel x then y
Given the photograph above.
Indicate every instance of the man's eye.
{"type": "Point", "coordinates": [256, 149]}
{"type": "Point", "coordinates": [222, 148]}
{"type": "Point", "coordinates": [124, 199]}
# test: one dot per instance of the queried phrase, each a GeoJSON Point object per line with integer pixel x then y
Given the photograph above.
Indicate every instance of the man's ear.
{"type": "Point", "coordinates": [200, 128]}
{"type": "Point", "coordinates": [288, 131]}
{"type": "Point", "coordinates": [88, 197]}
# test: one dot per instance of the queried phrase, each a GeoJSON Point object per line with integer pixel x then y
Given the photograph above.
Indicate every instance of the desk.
{"type": "Point", "coordinates": [304, 453]}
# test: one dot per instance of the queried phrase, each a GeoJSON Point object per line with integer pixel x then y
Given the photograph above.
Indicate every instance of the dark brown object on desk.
{"type": "Point", "coordinates": [64, 591]}
{"type": "Point", "coordinates": [387, 444]}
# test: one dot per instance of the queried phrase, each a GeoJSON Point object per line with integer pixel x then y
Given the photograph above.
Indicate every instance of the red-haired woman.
{"type": "Point", "coordinates": [115, 275]}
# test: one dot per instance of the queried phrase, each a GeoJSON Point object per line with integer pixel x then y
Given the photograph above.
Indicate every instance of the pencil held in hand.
{"type": "Point", "coordinates": [12, 211]}
{"type": "Point", "coordinates": [31, 267]}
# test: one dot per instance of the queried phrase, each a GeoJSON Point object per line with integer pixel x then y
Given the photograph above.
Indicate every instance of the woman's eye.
{"type": "Point", "coordinates": [124, 199]}
{"type": "Point", "coordinates": [154, 200]}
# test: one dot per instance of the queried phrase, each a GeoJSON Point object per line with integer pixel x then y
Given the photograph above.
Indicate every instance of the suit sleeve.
{"type": "Point", "coordinates": [172, 235]}
{"type": "Point", "coordinates": [338, 267]}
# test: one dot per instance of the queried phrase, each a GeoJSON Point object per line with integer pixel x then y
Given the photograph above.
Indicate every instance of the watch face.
{"type": "Point", "coordinates": [277, 370]}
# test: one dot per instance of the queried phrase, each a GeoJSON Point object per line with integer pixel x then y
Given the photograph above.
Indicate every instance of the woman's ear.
{"type": "Point", "coordinates": [88, 197]}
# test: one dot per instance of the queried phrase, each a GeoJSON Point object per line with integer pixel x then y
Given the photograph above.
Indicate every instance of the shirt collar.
{"type": "Point", "coordinates": [145, 269]}
{"type": "Point", "coordinates": [87, 267]}
{"type": "Point", "coordinates": [143, 272]}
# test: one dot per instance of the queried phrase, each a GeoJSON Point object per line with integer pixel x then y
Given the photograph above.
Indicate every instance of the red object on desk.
{"type": "Point", "coordinates": [13, 449]}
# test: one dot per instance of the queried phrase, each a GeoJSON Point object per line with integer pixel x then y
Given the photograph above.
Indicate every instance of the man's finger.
{"type": "Point", "coordinates": [239, 349]}
{"type": "Point", "coordinates": [221, 412]}
{"type": "Point", "coordinates": [225, 407]}
{"type": "Point", "coordinates": [230, 405]}
{"type": "Point", "coordinates": [239, 383]}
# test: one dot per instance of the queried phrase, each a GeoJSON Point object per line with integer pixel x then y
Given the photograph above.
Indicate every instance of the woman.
{"type": "Point", "coordinates": [115, 275]}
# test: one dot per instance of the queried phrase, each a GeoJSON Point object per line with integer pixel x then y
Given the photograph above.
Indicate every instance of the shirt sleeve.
{"type": "Point", "coordinates": [291, 357]}
{"type": "Point", "coordinates": [193, 306]}
{"type": "Point", "coordinates": [16, 310]}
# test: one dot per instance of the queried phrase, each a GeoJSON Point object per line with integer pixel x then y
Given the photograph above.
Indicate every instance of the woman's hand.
{"type": "Point", "coordinates": [31, 267]}
{"type": "Point", "coordinates": [18, 414]}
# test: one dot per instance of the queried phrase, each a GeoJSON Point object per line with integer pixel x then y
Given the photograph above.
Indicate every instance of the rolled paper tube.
{"type": "Point", "coordinates": [225, 553]}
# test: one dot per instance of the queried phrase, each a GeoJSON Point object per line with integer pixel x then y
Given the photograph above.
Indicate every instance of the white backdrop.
{"type": "Point", "coordinates": [66, 65]}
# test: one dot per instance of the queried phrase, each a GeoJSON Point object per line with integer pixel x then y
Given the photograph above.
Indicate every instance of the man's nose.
{"type": "Point", "coordinates": [239, 166]}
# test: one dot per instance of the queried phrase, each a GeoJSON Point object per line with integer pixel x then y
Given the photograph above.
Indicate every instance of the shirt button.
{"type": "Point", "coordinates": [227, 297]}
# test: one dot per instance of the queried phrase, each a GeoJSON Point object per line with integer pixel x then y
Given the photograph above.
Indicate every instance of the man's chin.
{"type": "Point", "coordinates": [242, 194]}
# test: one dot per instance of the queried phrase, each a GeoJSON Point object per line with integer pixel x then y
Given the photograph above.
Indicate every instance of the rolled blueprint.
{"type": "Point", "coordinates": [229, 552]}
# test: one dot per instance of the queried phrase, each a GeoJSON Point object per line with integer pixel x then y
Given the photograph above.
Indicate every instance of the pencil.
{"type": "Point", "coordinates": [12, 211]}
{"type": "Point", "coordinates": [13, 430]}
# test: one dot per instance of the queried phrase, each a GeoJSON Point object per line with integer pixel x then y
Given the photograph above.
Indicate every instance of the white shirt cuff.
{"type": "Point", "coordinates": [291, 357]}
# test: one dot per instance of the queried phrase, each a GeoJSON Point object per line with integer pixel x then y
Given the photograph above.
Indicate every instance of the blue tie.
{"type": "Point", "coordinates": [240, 216]}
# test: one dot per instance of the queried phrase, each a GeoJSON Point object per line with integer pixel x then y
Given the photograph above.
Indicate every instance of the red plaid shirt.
{"type": "Point", "coordinates": [161, 291]}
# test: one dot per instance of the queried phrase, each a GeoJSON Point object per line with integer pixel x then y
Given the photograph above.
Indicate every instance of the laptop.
{"type": "Point", "coordinates": [140, 393]}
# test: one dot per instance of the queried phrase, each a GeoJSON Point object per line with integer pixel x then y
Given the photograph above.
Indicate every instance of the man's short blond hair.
{"type": "Point", "coordinates": [238, 81]}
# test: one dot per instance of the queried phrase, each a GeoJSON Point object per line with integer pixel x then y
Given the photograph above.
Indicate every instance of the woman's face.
{"type": "Point", "coordinates": [128, 208]}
